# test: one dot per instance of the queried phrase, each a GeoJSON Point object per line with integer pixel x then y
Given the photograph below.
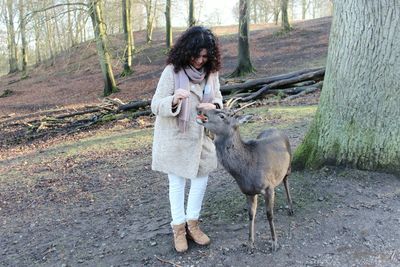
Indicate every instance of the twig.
{"type": "Point", "coordinates": [167, 261]}
{"type": "Point", "coordinates": [393, 254]}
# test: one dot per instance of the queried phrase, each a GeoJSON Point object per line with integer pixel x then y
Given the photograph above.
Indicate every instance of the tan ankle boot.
{"type": "Point", "coordinates": [180, 241]}
{"type": "Point", "coordinates": [194, 233]}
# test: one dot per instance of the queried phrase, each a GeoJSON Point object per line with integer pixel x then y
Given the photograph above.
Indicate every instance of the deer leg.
{"type": "Point", "coordinates": [289, 198]}
{"type": "Point", "coordinates": [252, 209]}
{"type": "Point", "coordinates": [269, 203]}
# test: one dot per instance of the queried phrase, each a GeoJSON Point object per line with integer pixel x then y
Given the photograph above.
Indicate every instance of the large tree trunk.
{"type": "Point", "coordinates": [127, 25]}
{"type": "Point", "coordinates": [12, 46]}
{"type": "Point", "coordinates": [244, 63]}
{"type": "Point", "coordinates": [96, 14]}
{"type": "Point", "coordinates": [168, 28]}
{"type": "Point", "coordinates": [357, 122]}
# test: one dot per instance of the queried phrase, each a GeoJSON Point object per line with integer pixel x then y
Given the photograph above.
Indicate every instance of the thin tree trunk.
{"type": "Point", "coordinates": [22, 23]}
{"type": "Point", "coordinates": [285, 19]}
{"type": "Point", "coordinates": [244, 63]}
{"type": "Point", "coordinates": [168, 28]}
{"type": "Point", "coordinates": [150, 12]}
{"type": "Point", "coordinates": [255, 13]}
{"type": "Point", "coordinates": [303, 9]}
{"type": "Point", "coordinates": [127, 25]}
{"type": "Point", "coordinates": [192, 20]}
{"type": "Point", "coordinates": [357, 122]}
{"type": "Point", "coordinates": [49, 38]}
{"type": "Point", "coordinates": [96, 14]}
{"type": "Point", "coordinates": [276, 11]}
{"type": "Point", "coordinates": [12, 46]}
{"type": "Point", "coordinates": [70, 26]}
{"type": "Point", "coordinates": [58, 37]}
{"type": "Point", "coordinates": [37, 41]}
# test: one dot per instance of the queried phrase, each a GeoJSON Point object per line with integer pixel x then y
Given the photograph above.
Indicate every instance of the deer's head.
{"type": "Point", "coordinates": [222, 122]}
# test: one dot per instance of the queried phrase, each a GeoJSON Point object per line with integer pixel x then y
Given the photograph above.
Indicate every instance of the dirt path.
{"type": "Point", "coordinates": [95, 202]}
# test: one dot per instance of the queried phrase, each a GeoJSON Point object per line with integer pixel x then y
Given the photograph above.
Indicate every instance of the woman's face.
{"type": "Point", "coordinates": [198, 62]}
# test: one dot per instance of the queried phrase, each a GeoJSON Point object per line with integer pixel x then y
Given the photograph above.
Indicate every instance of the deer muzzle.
{"type": "Point", "coordinates": [201, 118]}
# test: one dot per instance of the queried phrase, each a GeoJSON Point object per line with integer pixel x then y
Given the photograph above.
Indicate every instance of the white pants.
{"type": "Point", "coordinates": [177, 198]}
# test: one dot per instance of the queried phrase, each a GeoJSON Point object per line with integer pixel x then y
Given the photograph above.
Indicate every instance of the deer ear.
{"type": "Point", "coordinates": [241, 119]}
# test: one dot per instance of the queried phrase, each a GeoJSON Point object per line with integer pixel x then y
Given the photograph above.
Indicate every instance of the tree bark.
{"type": "Point", "coordinates": [96, 14]}
{"type": "Point", "coordinates": [276, 11]}
{"type": "Point", "coordinates": [22, 23]}
{"type": "Point", "coordinates": [12, 46]}
{"type": "Point", "coordinates": [150, 13]}
{"type": "Point", "coordinates": [357, 122]}
{"type": "Point", "coordinates": [285, 18]}
{"type": "Point", "coordinates": [127, 25]}
{"type": "Point", "coordinates": [244, 63]}
{"type": "Point", "coordinates": [192, 20]}
{"type": "Point", "coordinates": [49, 38]}
{"type": "Point", "coordinates": [168, 28]}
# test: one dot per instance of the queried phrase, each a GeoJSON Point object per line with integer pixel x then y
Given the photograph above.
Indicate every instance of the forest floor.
{"type": "Point", "coordinates": [91, 199]}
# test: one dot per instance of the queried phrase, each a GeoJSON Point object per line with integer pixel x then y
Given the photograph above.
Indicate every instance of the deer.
{"type": "Point", "coordinates": [258, 166]}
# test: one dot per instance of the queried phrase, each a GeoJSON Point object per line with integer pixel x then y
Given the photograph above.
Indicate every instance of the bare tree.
{"type": "Point", "coordinates": [96, 13]}
{"type": "Point", "coordinates": [191, 20]}
{"type": "Point", "coordinates": [168, 28]}
{"type": "Point", "coordinates": [276, 11]}
{"type": "Point", "coordinates": [69, 25]}
{"type": "Point", "coordinates": [94, 9]}
{"type": "Point", "coordinates": [12, 46]}
{"type": "Point", "coordinates": [305, 4]}
{"type": "Point", "coordinates": [129, 42]}
{"type": "Point", "coordinates": [244, 63]}
{"type": "Point", "coordinates": [285, 18]}
{"type": "Point", "coordinates": [22, 24]}
{"type": "Point", "coordinates": [357, 122]}
{"type": "Point", "coordinates": [150, 7]}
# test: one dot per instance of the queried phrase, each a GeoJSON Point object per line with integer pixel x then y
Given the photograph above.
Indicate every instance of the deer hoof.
{"type": "Point", "coordinates": [290, 212]}
{"type": "Point", "coordinates": [275, 246]}
{"type": "Point", "coordinates": [249, 247]}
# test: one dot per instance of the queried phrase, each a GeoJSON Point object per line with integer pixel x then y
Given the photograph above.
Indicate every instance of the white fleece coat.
{"type": "Point", "coordinates": [190, 154]}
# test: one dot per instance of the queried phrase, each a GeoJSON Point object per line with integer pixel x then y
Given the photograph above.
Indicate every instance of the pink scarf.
{"type": "Point", "coordinates": [196, 77]}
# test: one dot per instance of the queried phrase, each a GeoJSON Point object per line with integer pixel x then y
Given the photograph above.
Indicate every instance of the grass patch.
{"type": "Point", "coordinates": [277, 117]}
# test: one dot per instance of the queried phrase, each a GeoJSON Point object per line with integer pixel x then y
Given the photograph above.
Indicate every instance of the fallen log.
{"type": "Point", "coordinates": [287, 91]}
{"type": "Point", "coordinates": [264, 90]}
{"type": "Point", "coordinates": [257, 83]}
{"type": "Point", "coordinates": [295, 90]}
{"type": "Point", "coordinates": [305, 92]}
{"type": "Point", "coordinates": [134, 105]}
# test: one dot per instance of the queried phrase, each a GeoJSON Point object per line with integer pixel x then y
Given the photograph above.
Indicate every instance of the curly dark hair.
{"type": "Point", "coordinates": [190, 44]}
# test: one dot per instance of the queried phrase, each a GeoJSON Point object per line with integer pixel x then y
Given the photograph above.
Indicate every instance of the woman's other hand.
{"type": "Point", "coordinates": [179, 95]}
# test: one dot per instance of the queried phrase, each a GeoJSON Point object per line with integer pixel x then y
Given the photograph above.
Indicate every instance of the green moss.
{"type": "Point", "coordinates": [307, 154]}
{"type": "Point", "coordinates": [108, 117]}
{"type": "Point", "coordinates": [6, 93]}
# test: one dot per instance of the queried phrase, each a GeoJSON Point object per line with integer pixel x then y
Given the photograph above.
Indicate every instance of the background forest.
{"type": "Point", "coordinates": [35, 31]}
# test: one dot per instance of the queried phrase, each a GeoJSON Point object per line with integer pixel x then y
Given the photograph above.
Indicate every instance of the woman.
{"type": "Point", "coordinates": [181, 148]}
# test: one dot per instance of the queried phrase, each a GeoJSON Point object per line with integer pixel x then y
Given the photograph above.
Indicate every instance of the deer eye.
{"type": "Point", "coordinates": [221, 115]}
